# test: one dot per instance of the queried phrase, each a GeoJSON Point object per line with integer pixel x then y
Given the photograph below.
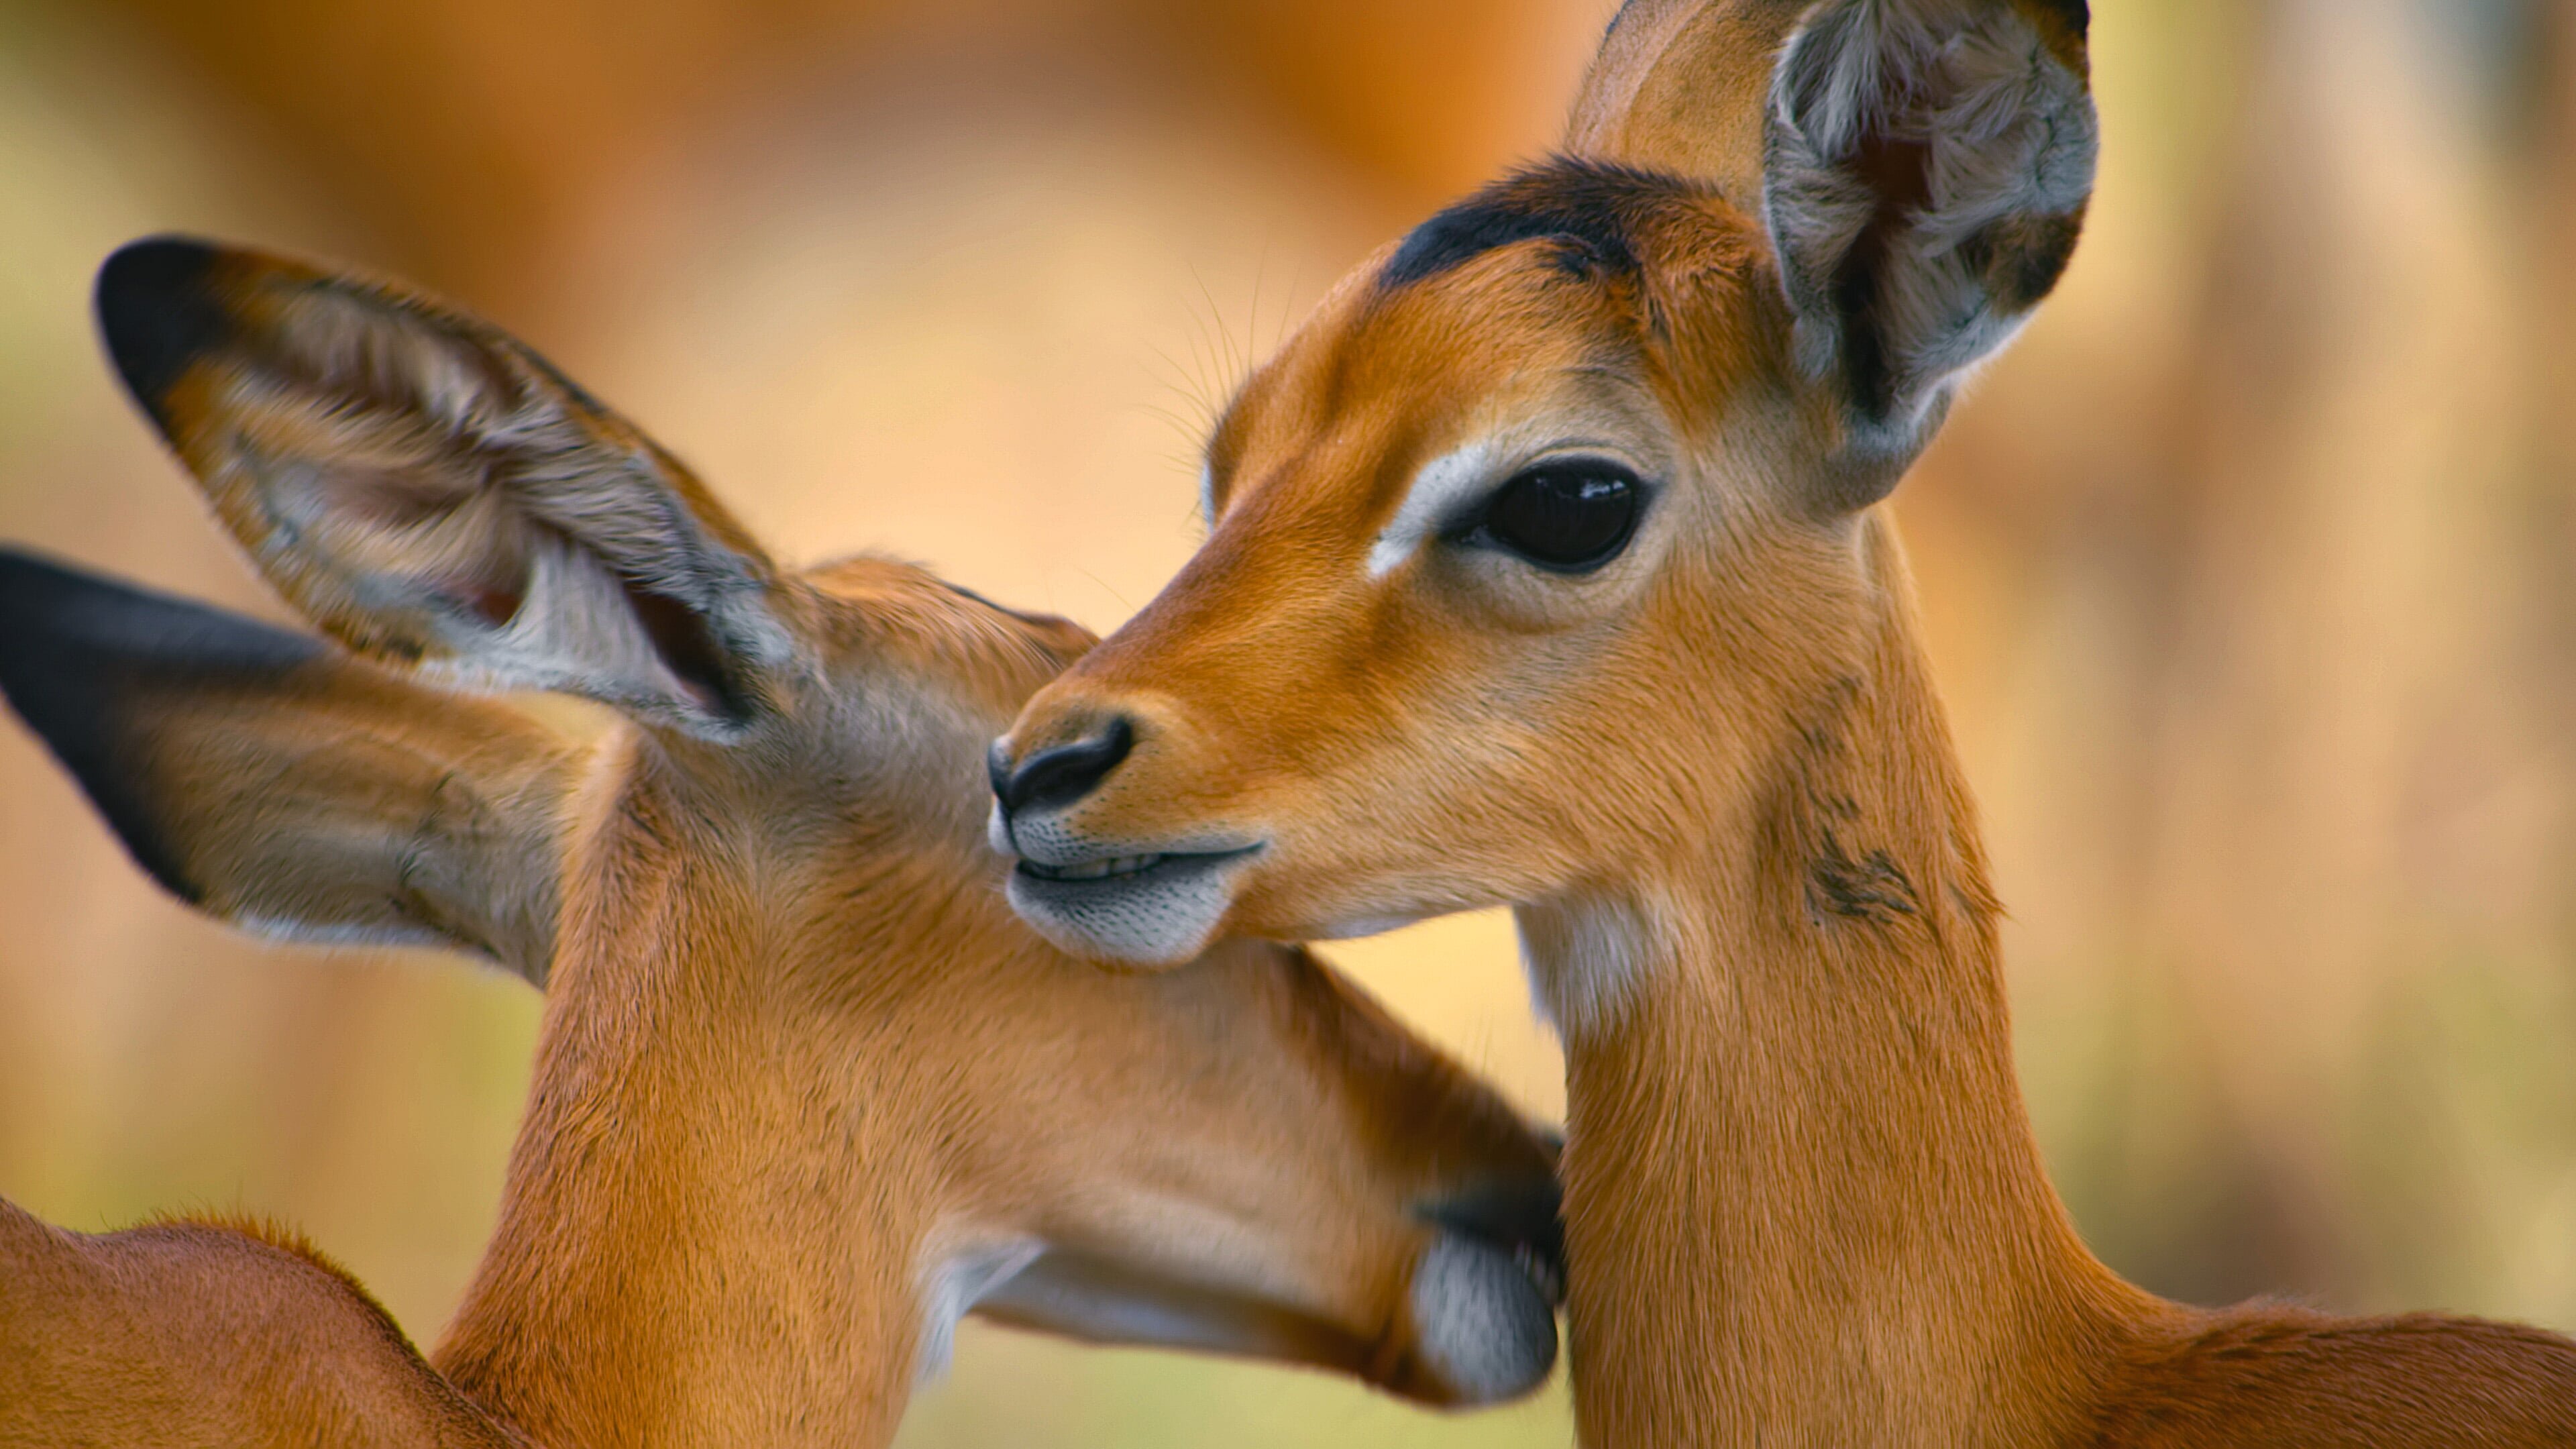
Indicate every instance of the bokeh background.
{"type": "Point", "coordinates": [2248, 573]}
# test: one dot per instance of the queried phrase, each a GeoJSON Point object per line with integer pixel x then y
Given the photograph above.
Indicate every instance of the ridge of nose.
{"type": "Point", "coordinates": [1061, 775]}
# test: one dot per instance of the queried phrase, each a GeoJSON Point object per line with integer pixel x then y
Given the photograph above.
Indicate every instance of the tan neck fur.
{"type": "Point", "coordinates": [1802, 1192]}
{"type": "Point", "coordinates": [621, 1299]}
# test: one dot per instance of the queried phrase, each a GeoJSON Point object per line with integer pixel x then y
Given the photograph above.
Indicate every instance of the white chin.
{"type": "Point", "coordinates": [1162, 917]}
{"type": "Point", "coordinates": [1480, 1325]}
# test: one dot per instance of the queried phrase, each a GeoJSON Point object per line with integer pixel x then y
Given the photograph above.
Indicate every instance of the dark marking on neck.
{"type": "Point", "coordinates": [1842, 880]}
{"type": "Point", "coordinates": [1872, 888]}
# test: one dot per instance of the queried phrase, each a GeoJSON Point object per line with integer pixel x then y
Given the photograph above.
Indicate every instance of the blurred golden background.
{"type": "Point", "coordinates": [2249, 572]}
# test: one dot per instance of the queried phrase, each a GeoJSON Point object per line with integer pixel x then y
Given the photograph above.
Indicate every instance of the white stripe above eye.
{"type": "Point", "coordinates": [1207, 494]}
{"type": "Point", "coordinates": [1440, 492]}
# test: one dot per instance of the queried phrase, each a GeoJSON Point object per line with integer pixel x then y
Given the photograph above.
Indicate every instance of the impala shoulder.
{"type": "Point", "coordinates": [263, 1268]}
{"type": "Point", "coordinates": [2276, 1373]}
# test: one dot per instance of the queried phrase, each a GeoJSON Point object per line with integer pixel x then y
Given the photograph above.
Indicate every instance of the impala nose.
{"type": "Point", "coordinates": [1062, 775]}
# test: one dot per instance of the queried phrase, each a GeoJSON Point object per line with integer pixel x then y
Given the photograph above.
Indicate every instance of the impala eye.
{"type": "Point", "coordinates": [1570, 517]}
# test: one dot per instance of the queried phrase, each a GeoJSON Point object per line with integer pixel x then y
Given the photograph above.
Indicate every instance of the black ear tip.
{"type": "Point", "coordinates": [157, 313]}
{"type": "Point", "coordinates": [92, 664]}
{"type": "Point", "coordinates": [68, 694]}
{"type": "Point", "coordinates": [30, 586]}
{"type": "Point", "coordinates": [41, 603]}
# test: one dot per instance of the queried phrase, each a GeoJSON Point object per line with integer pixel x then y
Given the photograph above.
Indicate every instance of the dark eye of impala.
{"type": "Point", "coordinates": [1568, 517]}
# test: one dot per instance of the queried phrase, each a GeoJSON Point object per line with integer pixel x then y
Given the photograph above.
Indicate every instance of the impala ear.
{"type": "Point", "coordinates": [429, 490]}
{"type": "Point", "coordinates": [272, 781]}
{"type": "Point", "coordinates": [1922, 166]}
{"type": "Point", "coordinates": [1926, 168]}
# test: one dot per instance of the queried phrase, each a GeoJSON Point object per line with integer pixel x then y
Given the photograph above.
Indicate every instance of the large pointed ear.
{"type": "Point", "coordinates": [429, 490]}
{"type": "Point", "coordinates": [276, 782]}
{"type": "Point", "coordinates": [1923, 169]}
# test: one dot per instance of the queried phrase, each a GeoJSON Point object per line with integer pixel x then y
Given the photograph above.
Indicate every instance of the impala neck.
{"type": "Point", "coordinates": [684, 1255]}
{"type": "Point", "coordinates": [1803, 1200]}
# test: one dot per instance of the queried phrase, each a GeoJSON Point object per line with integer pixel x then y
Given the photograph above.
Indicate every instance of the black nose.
{"type": "Point", "coordinates": [1064, 774]}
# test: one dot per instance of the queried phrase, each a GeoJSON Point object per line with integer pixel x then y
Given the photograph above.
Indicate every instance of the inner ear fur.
{"type": "Point", "coordinates": [1927, 165]}
{"type": "Point", "coordinates": [275, 782]}
{"type": "Point", "coordinates": [1921, 168]}
{"type": "Point", "coordinates": [429, 490]}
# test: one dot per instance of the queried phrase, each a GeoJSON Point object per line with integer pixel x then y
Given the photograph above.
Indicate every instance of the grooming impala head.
{"type": "Point", "coordinates": [1552, 526]}
{"type": "Point", "coordinates": [779, 968]}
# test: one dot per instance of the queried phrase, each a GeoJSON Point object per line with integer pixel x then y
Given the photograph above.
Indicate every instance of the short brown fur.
{"type": "Point", "coordinates": [1712, 775]}
{"type": "Point", "coordinates": [798, 1063]}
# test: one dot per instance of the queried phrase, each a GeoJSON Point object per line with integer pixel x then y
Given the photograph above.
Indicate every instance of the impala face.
{"type": "Point", "coordinates": [775, 864]}
{"type": "Point", "coordinates": [1452, 520]}
{"type": "Point", "coordinates": [1546, 532]}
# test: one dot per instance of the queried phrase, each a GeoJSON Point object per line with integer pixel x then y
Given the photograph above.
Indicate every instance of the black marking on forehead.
{"type": "Point", "coordinates": [1589, 208]}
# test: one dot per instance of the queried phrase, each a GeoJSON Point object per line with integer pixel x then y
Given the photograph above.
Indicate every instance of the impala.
{"type": "Point", "coordinates": [1547, 568]}
{"type": "Point", "coordinates": [805, 1091]}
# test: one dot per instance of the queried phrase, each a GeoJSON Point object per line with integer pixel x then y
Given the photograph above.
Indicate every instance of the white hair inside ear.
{"type": "Point", "coordinates": [441, 487]}
{"type": "Point", "coordinates": [1925, 163]}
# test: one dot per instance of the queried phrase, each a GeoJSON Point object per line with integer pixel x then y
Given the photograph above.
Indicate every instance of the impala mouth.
{"type": "Point", "coordinates": [1123, 867]}
{"type": "Point", "coordinates": [1483, 1324]}
{"type": "Point", "coordinates": [1545, 1274]}
{"type": "Point", "coordinates": [1108, 869]}
{"type": "Point", "coordinates": [1525, 1222]}
{"type": "Point", "coordinates": [1145, 908]}
{"type": "Point", "coordinates": [1471, 1330]}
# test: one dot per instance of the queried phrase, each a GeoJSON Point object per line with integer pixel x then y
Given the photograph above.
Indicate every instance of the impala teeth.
{"type": "Point", "coordinates": [1543, 1275]}
{"type": "Point", "coordinates": [1103, 869]}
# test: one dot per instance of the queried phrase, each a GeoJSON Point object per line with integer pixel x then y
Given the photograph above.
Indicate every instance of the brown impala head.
{"type": "Point", "coordinates": [780, 969]}
{"type": "Point", "coordinates": [1553, 520]}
